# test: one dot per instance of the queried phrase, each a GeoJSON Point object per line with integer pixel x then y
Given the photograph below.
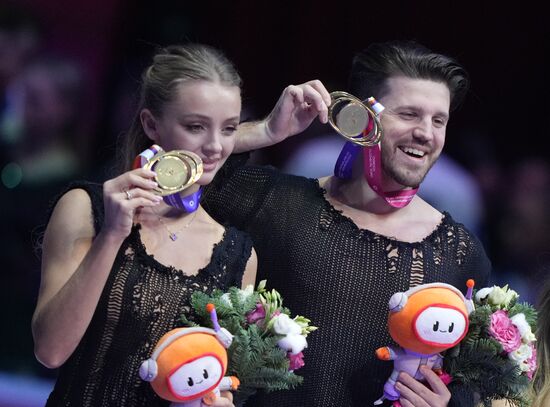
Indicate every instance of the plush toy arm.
{"type": "Point", "coordinates": [438, 365]}
{"type": "Point", "coordinates": [385, 353]}
{"type": "Point", "coordinates": [229, 383]}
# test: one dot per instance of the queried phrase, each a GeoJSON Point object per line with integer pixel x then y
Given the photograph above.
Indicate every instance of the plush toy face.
{"type": "Point", "coordinates": [440, 325]}
{"type": "Point", "coordinates": [184, 363]}
{"type": "Point", "coordinates": [433, 319]}
{"type": "Point", "coordinates": [196, 377]}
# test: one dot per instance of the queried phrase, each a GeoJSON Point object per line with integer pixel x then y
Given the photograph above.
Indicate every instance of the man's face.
{"type": "Point", "coordinates": [414, 123]}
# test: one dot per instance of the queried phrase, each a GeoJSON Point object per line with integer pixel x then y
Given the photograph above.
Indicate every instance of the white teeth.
{"type": "Point", "coordinates": [414, 151]}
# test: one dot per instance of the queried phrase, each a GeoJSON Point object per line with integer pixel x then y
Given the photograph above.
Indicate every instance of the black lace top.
{"type": "Point", "coordinates": [339, 276]}
{"type": "Point", "coordinates": [141, 301]}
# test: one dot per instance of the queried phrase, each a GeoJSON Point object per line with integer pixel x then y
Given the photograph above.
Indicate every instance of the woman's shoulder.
{"type": "Point", "coordinates": [80, 197]}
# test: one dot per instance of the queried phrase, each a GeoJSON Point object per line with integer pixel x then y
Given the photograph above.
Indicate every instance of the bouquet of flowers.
{"type": "Point", "coordinates": [267, 345]}
{"type": "Point", "coordinates": [497, 358]}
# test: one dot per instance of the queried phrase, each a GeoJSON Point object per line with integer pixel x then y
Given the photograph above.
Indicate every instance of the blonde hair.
{"type": "Point", "coordinates": [172, 66]}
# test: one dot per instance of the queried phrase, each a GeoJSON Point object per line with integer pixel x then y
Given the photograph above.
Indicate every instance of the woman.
{"type": "Point", "coordinates": [119, 264]}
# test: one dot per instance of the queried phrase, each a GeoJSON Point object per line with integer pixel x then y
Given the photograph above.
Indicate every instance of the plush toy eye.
{"type": "Point", "coordinates": [451, 327]}
{"type": "Point", "coordinates": [436, 326]}
{"type": "Point", "coordinates": [190, 382]}
{"type": "Point", "coordinates": [205, 374]}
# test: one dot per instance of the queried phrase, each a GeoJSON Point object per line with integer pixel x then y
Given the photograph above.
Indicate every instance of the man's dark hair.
{"type": "Point", "coordinates": [373, 66]}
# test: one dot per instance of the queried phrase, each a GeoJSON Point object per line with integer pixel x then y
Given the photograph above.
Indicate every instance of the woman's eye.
{"type": "Point", "coordinates": [194, 128]}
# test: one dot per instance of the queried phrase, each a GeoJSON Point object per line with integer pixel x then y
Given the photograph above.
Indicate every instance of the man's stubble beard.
{"type": "Point", "coordinates": [405, 177]}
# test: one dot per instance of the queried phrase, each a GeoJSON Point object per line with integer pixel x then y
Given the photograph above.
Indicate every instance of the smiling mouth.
{"type": "Point", "coordinates": [210, 164]}
{"type": "Point", "coordinates": [413, 152]}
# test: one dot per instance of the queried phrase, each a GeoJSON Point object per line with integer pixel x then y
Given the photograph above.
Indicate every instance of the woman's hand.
{"type": "Point", "coordinates": [123, 195]}
{"type": "Point", "coordinates": [296, 108]}
{"type": "Point", "coordinates": [416, 394]}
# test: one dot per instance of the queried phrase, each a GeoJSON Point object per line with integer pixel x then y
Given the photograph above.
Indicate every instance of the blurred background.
{"type": "Point", "coordinates": [69, 73]}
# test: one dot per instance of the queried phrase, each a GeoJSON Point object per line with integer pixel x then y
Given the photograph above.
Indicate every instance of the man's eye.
{"type": "Point", "coordinates": [407, 115]}
{"type": "Point", "coordinates": [229, 130]}
{"type": "Point", "coordinates": [440, 122]}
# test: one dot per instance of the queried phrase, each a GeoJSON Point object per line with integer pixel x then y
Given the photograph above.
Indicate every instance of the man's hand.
{"type": "Point", "coordinates": [225, 400]}
{"type": "Point", "coordinates": [416, 394]}
{"type": "Point", "coordinates": [297, 107]}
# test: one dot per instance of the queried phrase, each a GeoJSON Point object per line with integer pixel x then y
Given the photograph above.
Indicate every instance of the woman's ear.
{"type": "Point", "coordinates": [149, 124]}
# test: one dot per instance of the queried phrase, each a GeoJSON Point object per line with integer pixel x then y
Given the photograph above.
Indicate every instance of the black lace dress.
{"type": "Point", "coordinates": [141, 301]}
{"type": "Point", "coordinates": [339, 276]}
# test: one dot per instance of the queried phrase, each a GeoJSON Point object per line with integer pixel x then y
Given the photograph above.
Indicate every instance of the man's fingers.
{"type": "Point", "coordinates": [434, 381]}
{"type": "Point", "coordinates": [319, 87]}
{"type": "Point", "coordinates": [227, 395]}
{"type": "Point", "coordinates": [412, 390]}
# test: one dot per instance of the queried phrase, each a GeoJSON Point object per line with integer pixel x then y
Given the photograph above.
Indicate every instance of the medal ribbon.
{"type": "Point", "coordinates": [373, 174]}
{"type": "Point", "coordinates": [188, 203]}
{"type": "Point", "coordinates": [372, 169]}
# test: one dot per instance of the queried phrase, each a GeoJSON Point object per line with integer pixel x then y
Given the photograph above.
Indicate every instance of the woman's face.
{"type": "Point", "coordinates": [203, 119]}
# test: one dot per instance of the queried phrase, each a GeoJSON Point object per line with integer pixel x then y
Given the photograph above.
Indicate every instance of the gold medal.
{"type": "Point", "coordinates": [352, 119]}
{"type": "Point", "coordinates": [349, 116]}
{"type": "Point", "coordinates": [176, 170]}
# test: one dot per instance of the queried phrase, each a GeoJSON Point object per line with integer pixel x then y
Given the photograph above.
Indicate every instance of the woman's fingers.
{"type": "Point", "coordinates": [141, 178]}
{"type": "Point", "coordinates": [140, 197]}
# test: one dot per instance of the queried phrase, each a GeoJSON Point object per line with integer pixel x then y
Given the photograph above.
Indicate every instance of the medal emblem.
{"type": "Point", "coordinates": [356, 121]}
{"type": "Point", "coordinates": [176, 170]}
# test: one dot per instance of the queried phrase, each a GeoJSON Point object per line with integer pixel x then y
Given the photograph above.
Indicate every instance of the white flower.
{"type": "Point", "coordinates": [293, 343]}
{"type": "Point", "coordinates": [483, 293]}
{"type": "Point", "coordinates": [524, 328]}
{"type": "Point", "coordinates": [243, 295]}
{"type": "Point", "coordinates": [226, 300]}
{"type": "Point", "coordinates": [283, 325]}
{"type": "Point", "coordinates": [247, 292]}
{"type": "Point", "coordinates": [501, 296]}
{"type": "Point", "coordinates": [521, 355]}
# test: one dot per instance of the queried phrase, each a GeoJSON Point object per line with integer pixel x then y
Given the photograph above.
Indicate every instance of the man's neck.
{"type": "Point", "coordinates": [357, 194]}
{"type": "Point", "coordinates": [368, 210]}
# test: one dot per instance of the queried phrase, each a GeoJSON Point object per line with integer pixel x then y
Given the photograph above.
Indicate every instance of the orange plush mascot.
{"type": "Point", "coordinates": [188, 365]}
{"type": "Point", "coordinates": [424, 321]}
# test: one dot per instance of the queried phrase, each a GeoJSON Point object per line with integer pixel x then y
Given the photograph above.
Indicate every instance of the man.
{"type": "Point", "coordinates": [336, 249]}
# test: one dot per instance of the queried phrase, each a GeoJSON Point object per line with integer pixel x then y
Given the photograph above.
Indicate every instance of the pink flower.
{"type": "Point", "coordinates": [446, 378]}
{"type": "Point", "coordinates": [504, 331]}
{"type": "Point", "coordinates": [532, 363]}
{"type": "Point", "coordinates": [296, 361]}
{"type": "Point", "coordinates": [256, 315]}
